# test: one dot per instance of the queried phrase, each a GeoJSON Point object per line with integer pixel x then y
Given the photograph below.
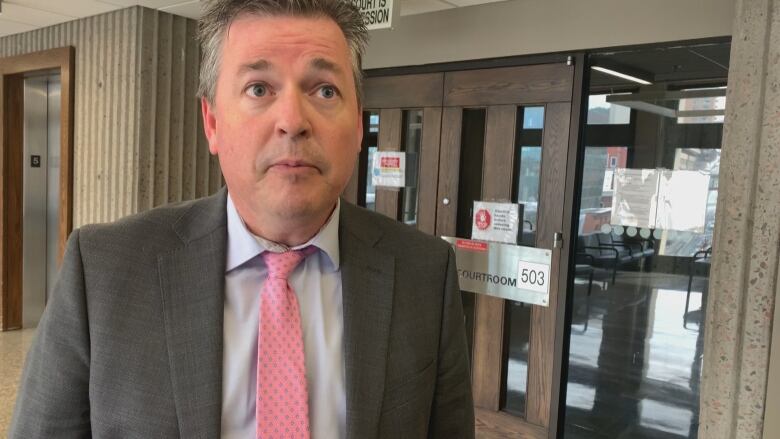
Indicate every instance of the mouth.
{"type": "Point", "coordinates": [293, 165]}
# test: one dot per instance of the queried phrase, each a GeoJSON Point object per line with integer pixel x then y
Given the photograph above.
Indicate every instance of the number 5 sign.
{"type": "Point", "coordinates": [533, 276]}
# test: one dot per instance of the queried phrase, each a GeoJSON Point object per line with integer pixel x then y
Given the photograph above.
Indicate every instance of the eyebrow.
{"type": "Point", "coordinates": [259, 65]}
{"type": "Point", "coordinates": [324, 64]}
{"type": "Point", "coordinates": [316, 63]}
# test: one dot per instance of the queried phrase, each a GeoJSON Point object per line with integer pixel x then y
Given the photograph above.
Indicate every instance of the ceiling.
{"type": "Point", "coordinates": [669, 66]}
{"type": "Point", "coordinates": [25, 15]}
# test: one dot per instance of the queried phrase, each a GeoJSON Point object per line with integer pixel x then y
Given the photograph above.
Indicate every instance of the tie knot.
{"type": "Point", "coordinates": [280, 265]}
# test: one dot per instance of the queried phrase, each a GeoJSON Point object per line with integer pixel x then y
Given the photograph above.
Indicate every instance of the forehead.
{"type": "Point", "coordinates": [251, 36]}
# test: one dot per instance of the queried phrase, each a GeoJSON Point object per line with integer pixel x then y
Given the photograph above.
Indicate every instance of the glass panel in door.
{"type": "Point", "coordinates": [517, 315]}
{"type": "Point", "coordinates": [472, 148]}
{"type": "Point", "coordinates": [370, 142]}
{"type": "Point", "coordinates": [411, 144]}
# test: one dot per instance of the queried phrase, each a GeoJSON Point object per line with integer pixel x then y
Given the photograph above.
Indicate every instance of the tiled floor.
{"type": "Point", "coordinates": [634, 372]}
{"type": "Point", "coordinates": [13, 350]}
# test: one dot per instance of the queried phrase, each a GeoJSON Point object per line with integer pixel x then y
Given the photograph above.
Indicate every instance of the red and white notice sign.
{"type": "Point", "coordinates": [496, 222]}
{"type": "Point", "coordinates": [475, 246]}
{"type": "Point", "coordinates": [389, 169]}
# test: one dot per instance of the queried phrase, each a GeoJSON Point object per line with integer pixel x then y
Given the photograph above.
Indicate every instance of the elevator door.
{"type": "Point", "coordinates": [495, 135]}
{"type": "Point", "coordinates": [40, 196]}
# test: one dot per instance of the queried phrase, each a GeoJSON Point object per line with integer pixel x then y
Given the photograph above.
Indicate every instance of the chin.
{"type": "Point", "coordinates": [297, 208]}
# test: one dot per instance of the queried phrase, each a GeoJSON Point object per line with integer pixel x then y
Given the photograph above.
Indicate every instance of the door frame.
{"type": "Point", "coordinates": [12, 72]}
{"type": "Point", "coordinates": [559, 342]}
{"type": "Point", "coordinates": [571, 207]}
{"type": "Point", "coordinates": [500, 92]}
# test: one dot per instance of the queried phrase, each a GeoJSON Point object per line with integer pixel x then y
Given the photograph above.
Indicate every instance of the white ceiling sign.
{"type": "Point", "coordinates": [377, 14]}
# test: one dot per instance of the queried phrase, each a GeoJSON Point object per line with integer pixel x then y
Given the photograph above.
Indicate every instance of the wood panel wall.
{"type": "Point", "coordinates": [11, 204]}
{"type": "Point", "coordinates": [138, 139]}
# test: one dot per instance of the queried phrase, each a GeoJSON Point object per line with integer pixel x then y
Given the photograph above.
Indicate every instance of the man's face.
{"type": "Point", "coordinates": [285, 121]}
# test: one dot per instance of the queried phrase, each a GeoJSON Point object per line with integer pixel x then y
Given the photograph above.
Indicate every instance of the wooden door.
{"type": "Point", "coordinates": [402, 113]}
{"type": "Point", "coordinates": [493, 133]}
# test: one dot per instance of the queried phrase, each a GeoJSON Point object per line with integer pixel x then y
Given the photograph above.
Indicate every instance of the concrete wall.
{"type": "Point", "coordinates": [746, 244]}
{"type": "Point", "coordinates": [520, 27]}
{"type": "Point", "coordinates": [772, 423]}
{"type": "Point", "coordinates": [137, 136]}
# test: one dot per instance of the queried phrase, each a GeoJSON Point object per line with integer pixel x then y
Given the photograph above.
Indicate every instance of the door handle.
{"type": "Point", "coordinates": [557, 239]}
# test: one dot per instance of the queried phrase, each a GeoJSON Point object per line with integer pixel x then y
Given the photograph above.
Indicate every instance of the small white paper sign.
{"type": "Point", "coordinates": [496, 222]}
{"type": "Point", "coordinates": [533, 276]}
{"type": "Point", "coordinates": [682, 201]}
{"type": "Point", "coordinates": [389, 169]}
{"type": "Point", "coordinates": [661, 199]}
{"type": "Point", "coordinates": [377, 14]}
{"type": "Point", "coordinates": [635, 199]}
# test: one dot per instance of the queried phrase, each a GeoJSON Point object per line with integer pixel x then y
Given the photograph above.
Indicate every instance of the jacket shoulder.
{"type": "Point", "coordinates": [155, 229]}
{"type": "Point", "coordinates": [393, 236]}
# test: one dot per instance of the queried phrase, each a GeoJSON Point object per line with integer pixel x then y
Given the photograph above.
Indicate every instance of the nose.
{"type": "Point", "coordinates": [291, 115]}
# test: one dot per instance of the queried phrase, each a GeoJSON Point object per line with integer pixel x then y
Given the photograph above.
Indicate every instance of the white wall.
{"type": "Point", "coordinates": [521, 27]}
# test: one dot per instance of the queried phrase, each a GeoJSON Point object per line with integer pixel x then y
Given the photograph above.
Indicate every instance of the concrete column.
{"type": "Point", "coordinates": [747, 232]}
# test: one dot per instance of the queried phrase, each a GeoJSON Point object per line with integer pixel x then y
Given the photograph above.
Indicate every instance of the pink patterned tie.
{"type": "Point", "coordinates": [282, 400]}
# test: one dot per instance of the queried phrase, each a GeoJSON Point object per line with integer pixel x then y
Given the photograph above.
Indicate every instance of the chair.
{"type": "Point", "coordinates": [702, 258]}
{"type": "Point", "coordinates": [582, 269]}
{"type": "Point", "coordinates": [605, 254]}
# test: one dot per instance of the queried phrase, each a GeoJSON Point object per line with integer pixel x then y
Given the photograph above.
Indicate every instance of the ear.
{"type": "Point", "coordinates": [208, 112]}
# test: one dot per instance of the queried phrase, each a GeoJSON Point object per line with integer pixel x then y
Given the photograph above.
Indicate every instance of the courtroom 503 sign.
{"type": "Point", "coordinates": [507, 271]}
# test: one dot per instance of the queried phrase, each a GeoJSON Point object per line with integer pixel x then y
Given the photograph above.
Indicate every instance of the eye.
{"type": "Point", "coordinates": [257, 90]}
{"type": "Point", "coordinates": [328, 91]}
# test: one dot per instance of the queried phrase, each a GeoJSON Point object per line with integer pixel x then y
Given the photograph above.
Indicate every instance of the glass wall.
{"type": "Point", "coordinates": [650, 165]}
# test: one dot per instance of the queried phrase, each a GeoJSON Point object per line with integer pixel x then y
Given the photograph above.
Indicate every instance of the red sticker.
{"type": "Point", "coordinates": [482, 219]}
{"type": "Point", "coordinates": [390, 162]}
{"type": "Point", "coordinates": [466, 244]}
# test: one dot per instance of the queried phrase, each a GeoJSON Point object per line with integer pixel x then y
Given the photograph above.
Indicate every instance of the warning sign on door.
{"type": "Point", "coordinates": [497, 222]}
{"type": "Point", "coordinates": [389, 169]}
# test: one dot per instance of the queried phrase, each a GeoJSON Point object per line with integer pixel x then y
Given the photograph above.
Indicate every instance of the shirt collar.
{"type": "Point", "coordinates": [243, 245]}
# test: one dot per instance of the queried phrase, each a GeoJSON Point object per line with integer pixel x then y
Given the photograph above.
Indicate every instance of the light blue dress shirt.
{"type": "Point", "coordinates": [317, 283]}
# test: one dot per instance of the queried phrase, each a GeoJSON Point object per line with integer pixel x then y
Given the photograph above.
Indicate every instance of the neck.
{"type": "Point", "coordinates": [288, 230]}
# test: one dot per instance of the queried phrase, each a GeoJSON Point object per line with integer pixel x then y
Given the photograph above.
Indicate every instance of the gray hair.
{"type": "Point", "coordinates": [219, 15]}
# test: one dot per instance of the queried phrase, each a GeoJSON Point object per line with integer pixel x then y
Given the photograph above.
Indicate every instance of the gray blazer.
{"type": "Point", "coordinates": [130, 344]}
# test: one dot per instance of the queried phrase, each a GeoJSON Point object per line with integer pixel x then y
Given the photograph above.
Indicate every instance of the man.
{"type": "Point", "coordinates": [272, 309]}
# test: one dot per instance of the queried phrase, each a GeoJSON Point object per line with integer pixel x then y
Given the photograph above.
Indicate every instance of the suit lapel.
{"type": "Point", "coordinates": [367, 290]}
{"type": "Point", "coordinates": [192, 284]}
